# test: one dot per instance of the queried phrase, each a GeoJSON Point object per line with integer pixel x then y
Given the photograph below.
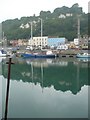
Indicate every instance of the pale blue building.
{"type": "Point", "coordinates": [56, 41]}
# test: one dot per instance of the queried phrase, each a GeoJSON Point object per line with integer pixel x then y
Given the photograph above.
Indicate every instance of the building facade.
{"type": "Point", "coordinates": [38, 41]}
{"type": "Point", "coordinates": [56, 41]}
{"type": "Point", "coordinates": [76, 41]}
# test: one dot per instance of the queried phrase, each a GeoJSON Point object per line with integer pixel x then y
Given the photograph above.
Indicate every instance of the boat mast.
{"type": "Point", "coordinates": [4, 42]}
{"type": "Point", "coordinates": [31, 36]}
{"type": "Point", "coordinates": [41, 32]}
{"type": "Point", "coordinates": [41, 28]}
{"type": "Point", "coordinates": [78, 30]}
{"type": "Point", "coordinates": [31, 31]}
{"type": "Point", "coordinates": [0, 33]}
{"type": "Point", "coordinates": [2, 39]}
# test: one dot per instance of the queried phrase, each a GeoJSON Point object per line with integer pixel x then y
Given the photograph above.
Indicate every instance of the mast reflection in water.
{"type": "Point", "coordinates": [49, 88]}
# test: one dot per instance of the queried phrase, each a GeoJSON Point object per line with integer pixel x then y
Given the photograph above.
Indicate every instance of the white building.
{"type": "Point", "coordinates": [62, 47]}
{"type": "Point", "coordinates": [24, 26]}
{"type": "Point", "coordinates": [68, 14]}
{"type": "Point", "coordinates": [62, 16]}
{"type": "Point", "coordinates": [38, 41]}
{"type": "Point", "coordinates": [76, 41]}
{"type": "Point", "coordinates": [27, 25]}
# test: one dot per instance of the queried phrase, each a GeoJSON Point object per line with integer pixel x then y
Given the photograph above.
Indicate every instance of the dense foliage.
{"type": "Point", "coordinates": [62, 22]}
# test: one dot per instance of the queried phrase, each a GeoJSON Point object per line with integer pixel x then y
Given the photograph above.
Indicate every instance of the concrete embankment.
{"type": "Point", "coordinates": [67, 53]}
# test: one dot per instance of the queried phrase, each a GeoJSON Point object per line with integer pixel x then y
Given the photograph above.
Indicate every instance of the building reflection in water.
{"type": "Point", "coordinates": [62, 74]}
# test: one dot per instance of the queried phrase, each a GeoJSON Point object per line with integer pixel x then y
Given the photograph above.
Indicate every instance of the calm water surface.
{"type": "Point", "coordinates": [46, 88]}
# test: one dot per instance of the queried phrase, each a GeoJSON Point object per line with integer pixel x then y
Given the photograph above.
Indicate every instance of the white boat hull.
{"type": "Point", "coordinates": [84, 55]}
{"type": "Point", "coordinates": [2, 54]}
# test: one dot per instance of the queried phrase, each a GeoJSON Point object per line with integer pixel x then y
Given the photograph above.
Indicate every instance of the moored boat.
{"type": "Point", "coordinates": [48, 54]}
{"type": "Point", "coordinates": [2, 53]}
{"type": "Point", "coordinates": [83, 55]}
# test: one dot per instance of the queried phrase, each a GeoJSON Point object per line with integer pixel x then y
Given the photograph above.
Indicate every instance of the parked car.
{"type": "Point", "coordinates": [29, 48]}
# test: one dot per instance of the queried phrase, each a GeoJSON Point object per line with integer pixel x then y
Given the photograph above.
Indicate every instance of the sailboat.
{"type": "Point", "coordinates": [2, 51]}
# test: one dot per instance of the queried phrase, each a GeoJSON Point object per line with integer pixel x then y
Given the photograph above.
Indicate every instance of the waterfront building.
{"type": "Point", "coordinates": [22, 42]}
{"type": "Point", "coordinates": [62, 47]}
{"type": "Point", "coordinates": [72, 45]}
{"type": "Point", "coordinates": [56, 41]}
{"type": "Point", "coordinates": [76, 41]}
{"type": "Point", "coordinates": [38, 41]}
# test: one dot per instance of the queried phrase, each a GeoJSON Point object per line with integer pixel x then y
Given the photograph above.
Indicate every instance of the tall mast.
{"type": "Point", "coordinates": [31, 31]}
{"type": "Point", "coordinates": [78, 30]}
{"type": "Point", "coordinates": [41, 28]}
{"type": "Point", "coordinates": [41, 32]}
{"type": "Point", "coordinates": [3, 39]}
{"type": "Point", "coordinates": [0, 32]}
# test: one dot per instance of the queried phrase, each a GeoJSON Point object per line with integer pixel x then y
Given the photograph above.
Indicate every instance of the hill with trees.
{"type": "Point", "coordinates": [62, 22]}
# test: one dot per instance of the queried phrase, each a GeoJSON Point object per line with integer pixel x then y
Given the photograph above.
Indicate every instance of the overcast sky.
{"type": "Point", "coordinates": [10, 9]}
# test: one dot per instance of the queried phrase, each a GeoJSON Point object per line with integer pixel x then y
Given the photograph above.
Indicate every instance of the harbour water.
{"type": "Point", "coordinates": [46, 88]}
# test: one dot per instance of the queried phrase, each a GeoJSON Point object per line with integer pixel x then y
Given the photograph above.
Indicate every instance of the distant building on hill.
{"type": "Point", "coordinates": [62, 16]}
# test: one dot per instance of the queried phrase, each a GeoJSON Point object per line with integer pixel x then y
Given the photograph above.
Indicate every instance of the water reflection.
{"type": "Point", "coordinates": [47, 88]}
{"type": "Point", "coordinates": [62, 74]}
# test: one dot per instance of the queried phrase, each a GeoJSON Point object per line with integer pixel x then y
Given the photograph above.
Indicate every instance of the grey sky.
{"type": "Point", "coordinates": [11, 9]}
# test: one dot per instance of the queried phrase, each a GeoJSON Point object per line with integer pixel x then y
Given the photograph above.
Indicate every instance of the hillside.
{"type": "Point", "coordinates": [62, 22]}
